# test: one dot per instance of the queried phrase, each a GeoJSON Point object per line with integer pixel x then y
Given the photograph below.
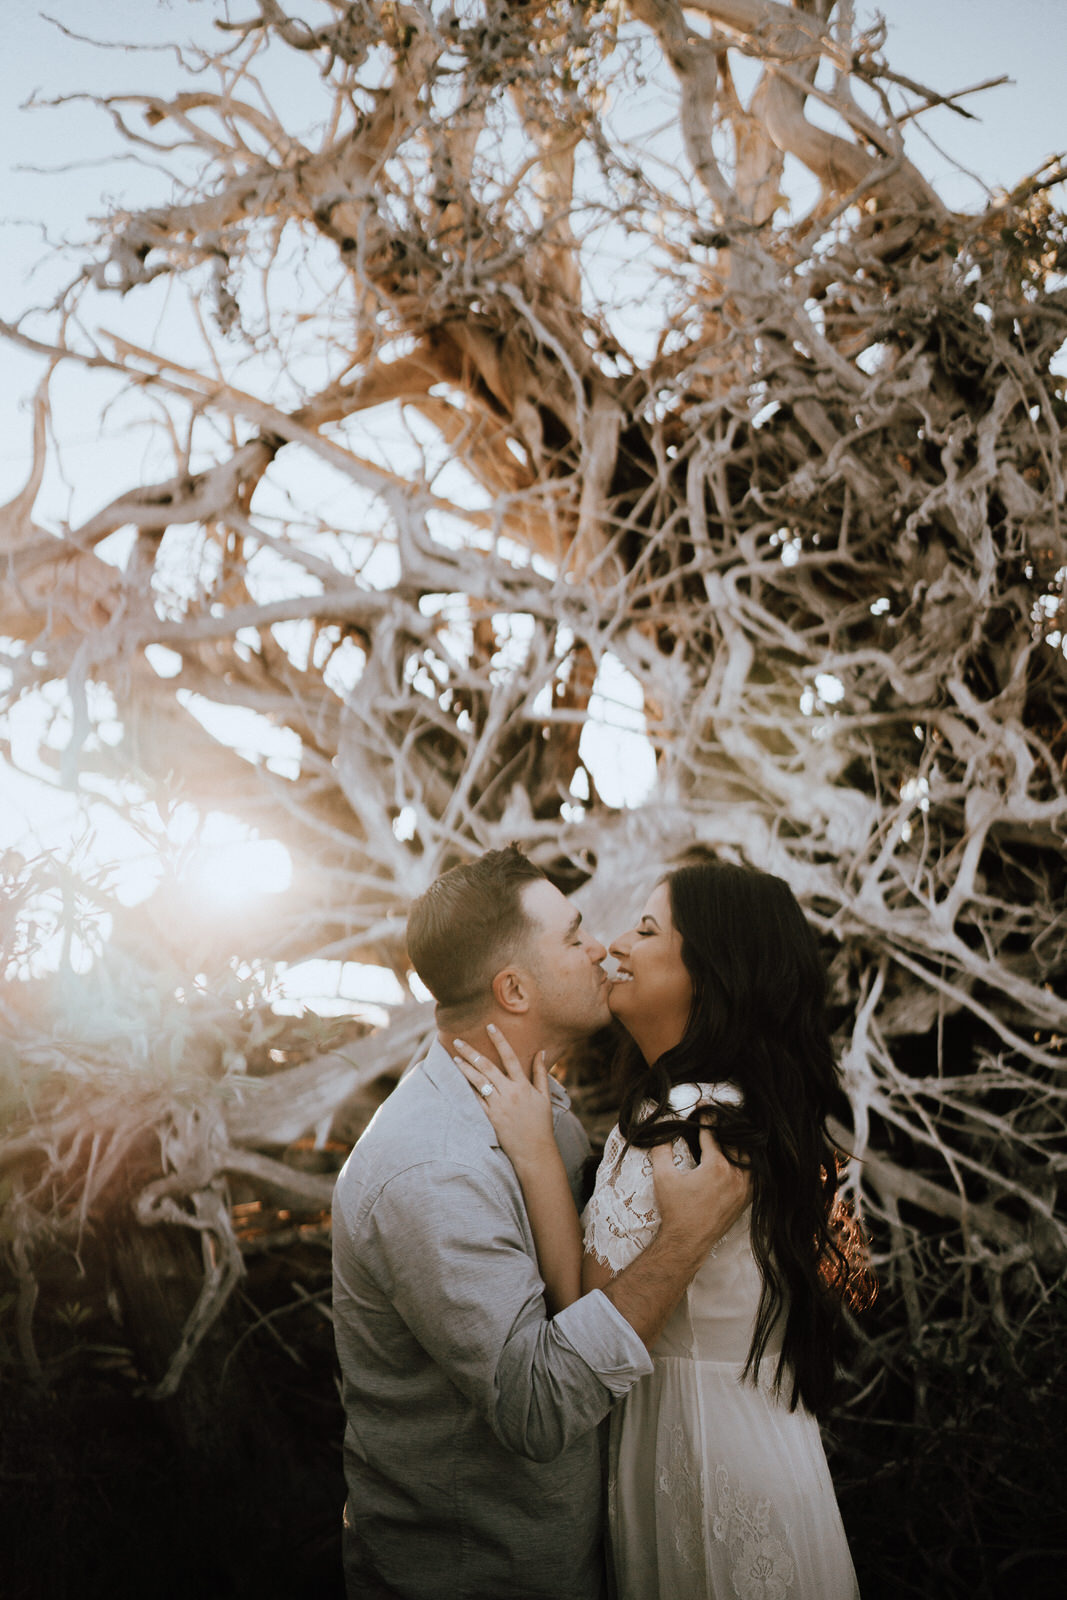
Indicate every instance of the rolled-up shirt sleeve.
{"type": "Point", "coordinates": [449, 1250]}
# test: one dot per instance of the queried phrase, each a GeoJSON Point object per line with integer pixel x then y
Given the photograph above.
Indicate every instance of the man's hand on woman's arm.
{"type": "Point", "coordinates": [696, 1208]}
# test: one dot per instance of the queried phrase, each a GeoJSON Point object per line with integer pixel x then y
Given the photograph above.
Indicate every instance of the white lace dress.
{"type": "Point", "coordinates": [716, 1491]}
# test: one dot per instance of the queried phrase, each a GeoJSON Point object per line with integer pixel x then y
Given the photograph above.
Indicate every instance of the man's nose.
{"type": "Point", "coordinates": [596, 951]}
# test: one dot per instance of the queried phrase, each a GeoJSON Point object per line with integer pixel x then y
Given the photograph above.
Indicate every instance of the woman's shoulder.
{"type": "Point", "coordinates": [686, 1097]}
{"type": "Point", "coordinates": [683, 1099]}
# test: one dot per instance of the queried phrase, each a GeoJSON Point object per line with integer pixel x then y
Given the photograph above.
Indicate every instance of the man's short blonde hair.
{"type": "Point", "coordinates": [468, 925]}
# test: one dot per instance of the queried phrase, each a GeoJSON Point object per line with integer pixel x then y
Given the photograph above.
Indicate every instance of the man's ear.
{"type": "Point", "coordinates": [511, 991]}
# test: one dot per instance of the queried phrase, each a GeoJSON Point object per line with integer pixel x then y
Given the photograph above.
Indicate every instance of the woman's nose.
{"type": "Point", "coordinates": [620, 947]}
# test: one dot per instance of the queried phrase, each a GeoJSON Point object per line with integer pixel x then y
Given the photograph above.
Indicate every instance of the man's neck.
{"type": "Point", "coordinates": [517, 1036]}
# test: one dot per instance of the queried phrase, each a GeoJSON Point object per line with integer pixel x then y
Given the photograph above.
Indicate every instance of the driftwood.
{"type": "Point", "coordinates": [593, 396]}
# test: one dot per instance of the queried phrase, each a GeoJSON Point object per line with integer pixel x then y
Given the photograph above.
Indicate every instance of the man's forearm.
{"type": "Point", "coordinates": [647, 1291]}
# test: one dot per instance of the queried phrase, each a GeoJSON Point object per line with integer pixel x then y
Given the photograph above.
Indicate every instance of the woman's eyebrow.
{"type": "Point", "coordinates": [647, 918]}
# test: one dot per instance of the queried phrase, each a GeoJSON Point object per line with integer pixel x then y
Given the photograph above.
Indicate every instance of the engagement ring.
{"type": "Point", "coordinates": [486, 1089]}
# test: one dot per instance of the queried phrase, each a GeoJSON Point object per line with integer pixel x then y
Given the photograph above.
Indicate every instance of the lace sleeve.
{"type": "Point", "coordinates": [621, 1219]}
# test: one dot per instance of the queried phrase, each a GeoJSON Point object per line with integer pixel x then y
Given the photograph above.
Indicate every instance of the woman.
{"type": "Point", "coordinates": [718, 1484]}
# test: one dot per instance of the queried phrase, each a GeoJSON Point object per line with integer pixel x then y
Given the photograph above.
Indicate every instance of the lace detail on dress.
{"type": "Point", "coordinates": [761, 1566]}
{"type": "Point", "coordinates": [621, 1219]}
{"type": "Point", "coordinates": [683, 1484]}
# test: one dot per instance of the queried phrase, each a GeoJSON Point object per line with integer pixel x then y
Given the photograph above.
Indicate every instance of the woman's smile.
{"type": "Point", "coordinates": [648, 962]}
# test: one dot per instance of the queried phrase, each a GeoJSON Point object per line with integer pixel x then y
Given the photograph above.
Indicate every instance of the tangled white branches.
{"type": "Point", "coordinates": [592, 396]}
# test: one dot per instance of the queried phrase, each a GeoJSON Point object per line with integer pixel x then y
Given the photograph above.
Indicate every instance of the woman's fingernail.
{"type": "Point", "coordinates": [492, 1028]}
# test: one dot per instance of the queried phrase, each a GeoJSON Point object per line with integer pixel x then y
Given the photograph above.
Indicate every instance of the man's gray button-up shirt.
{"type": "Point", "coordinates": [471, 1449]}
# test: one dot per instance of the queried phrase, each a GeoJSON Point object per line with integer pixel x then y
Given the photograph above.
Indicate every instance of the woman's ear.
{"type": "Point", "coordinates": [511, 991]}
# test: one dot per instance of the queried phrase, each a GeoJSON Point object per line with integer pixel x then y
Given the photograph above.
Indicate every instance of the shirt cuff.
{"type": "Point", "coordinates": [597, 1331]}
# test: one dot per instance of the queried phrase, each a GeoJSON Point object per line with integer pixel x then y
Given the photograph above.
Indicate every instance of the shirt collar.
{"type": "Point", "coordinates": [446, 1077]}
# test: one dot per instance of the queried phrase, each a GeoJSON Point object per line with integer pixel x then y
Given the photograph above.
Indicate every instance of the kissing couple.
{"type": "Point", "coordinates": [489, 1319]}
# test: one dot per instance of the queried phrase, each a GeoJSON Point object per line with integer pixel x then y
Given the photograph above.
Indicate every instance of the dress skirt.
{"type": "Point", "coordinates": [716, 1491]}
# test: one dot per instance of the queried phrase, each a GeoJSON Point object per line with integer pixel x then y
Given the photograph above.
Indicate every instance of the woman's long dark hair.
{"type": "Point", "coordinates": [758, 1021]}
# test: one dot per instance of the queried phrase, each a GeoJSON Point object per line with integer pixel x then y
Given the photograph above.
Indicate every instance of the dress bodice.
{"type": "Point", "coordinates": [715, 1318]}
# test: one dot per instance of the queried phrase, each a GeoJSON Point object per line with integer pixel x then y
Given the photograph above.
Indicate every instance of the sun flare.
{"type": "Point", "coordinates": [228, 875]}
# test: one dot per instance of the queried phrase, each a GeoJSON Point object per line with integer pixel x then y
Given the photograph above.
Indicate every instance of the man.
{"type": "Point", "coordinates": [471, 1448]}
